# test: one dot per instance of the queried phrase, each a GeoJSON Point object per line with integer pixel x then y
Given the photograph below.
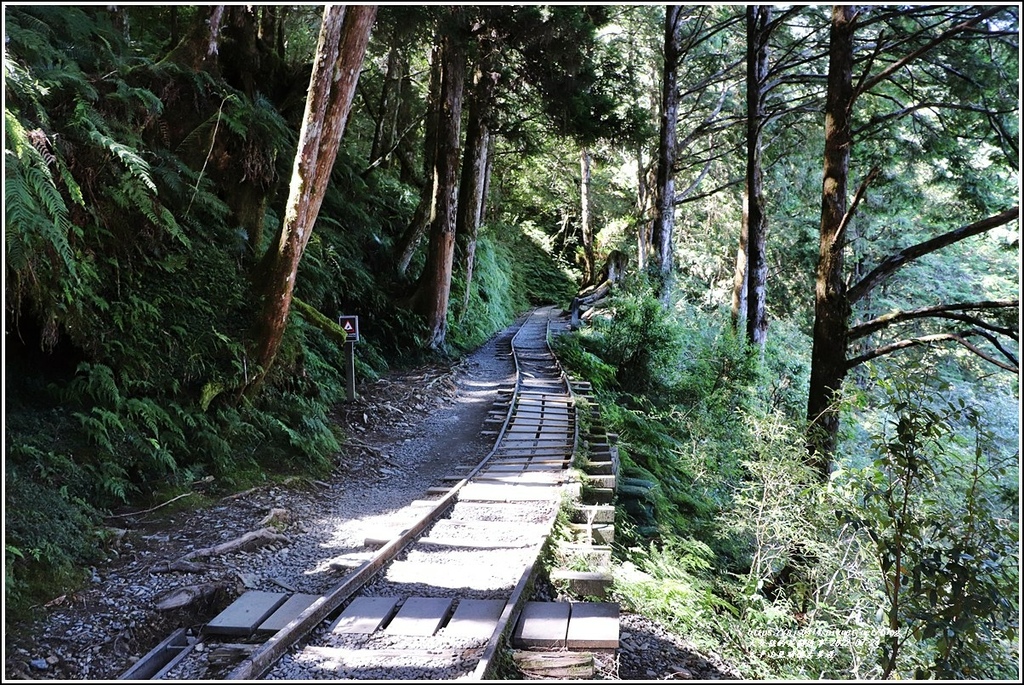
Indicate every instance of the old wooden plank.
{"type": "Point", "coordinates": [474, 543]}
{"type": "Point", "coordinates": [365, 614]}
{"type": "Point", "coordinates": [332, 658]}
{"type": "Point", "coordinates": [475, 618]}
{"type": "Point", "coordinates": [556, 665]}
{"type": "Point", "coordinates": [504, 493]}
{"type": "Point", "coordinates": [420, 616]}
{"type": "Point", "coordinates": [248, 611]}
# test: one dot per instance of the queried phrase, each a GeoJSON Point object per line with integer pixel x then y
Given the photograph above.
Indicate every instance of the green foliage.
{"type": "Point", "coordinates": [948, 556]}
{"type": "Point", "coordinates": [641, 341]}
{"type": "Point", "coordinates": [573, 354]}
{"type": "Point", "coordinates": [513, 270]}
{"type": "Point", "coordinates": [777, 506]}
{"type": "Point", "coordinates": [670, 584]}
{"type": "Point", "coordinates": [46, 541]}
{"type": "Point", "coordinates": [493, 303]}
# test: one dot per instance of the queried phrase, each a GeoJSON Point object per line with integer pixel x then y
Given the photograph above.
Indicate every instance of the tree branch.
{"type": "Point", "coordinates": [892, 263]}
{"type": "Point", "coordinates": [728, 184]}
{"type": "Point", "coordinates": [946, 311]}
{"type": "Point", "coordinates": [857, 198]}
{"type": "Point", "coordinates": [907, 59]}
{"type": "Point", "coordinates": [877, 121]}
{"type": "Point", "coordinates": [960, 338]}
{"type": "Point", "coordinates": [998, 345]}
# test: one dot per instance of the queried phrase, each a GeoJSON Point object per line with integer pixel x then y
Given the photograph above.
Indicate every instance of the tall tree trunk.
{"type": "Point", "coordinates": [199, 48]}
{"type": "Point", "coordinates": [739, 278]}
{"type": "Point", "coordinates": [664, 208]}
{"type": "Point", "coordinates": [831, 305]}
{"type": "Point", "coordinates": [758, 19]}
{"type": "Point", "coordinates": [344, 35]}
{"type": "Point", "coordinates": [431, 300]}
{"type": "Point", "coordinates": [385, 134]}
{"type": "Point", "coordinates": [410, 239]}
{"type": "Point", "coordinates": [643, 230]}
{"type": "Point", "coordinates": [589, 266]}
{"type": "Point", "coordinates": [487, 180]}
{"type": "Point", "coordinates": [474, 172]}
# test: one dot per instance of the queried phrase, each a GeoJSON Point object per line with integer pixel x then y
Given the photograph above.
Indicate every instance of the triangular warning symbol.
{"type": "Point", "coordinates": [348, 327]}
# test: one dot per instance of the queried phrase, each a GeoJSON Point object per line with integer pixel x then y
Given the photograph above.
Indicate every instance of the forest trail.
{"type": "Point", "coordinates": [406, 429]}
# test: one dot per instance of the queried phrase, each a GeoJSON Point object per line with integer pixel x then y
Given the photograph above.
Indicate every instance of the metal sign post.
{"type": "Point", "coordinates": [350, 324]}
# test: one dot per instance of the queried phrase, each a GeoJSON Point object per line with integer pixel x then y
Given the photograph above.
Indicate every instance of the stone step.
{"type": "Point", "coordinates": [284, 614]}
{"type": "Point", "coordinates": [598, 534]}
{"type": "Point", "coordinates": [600, 468]}
{"type": "Point", "coordinates": [594, 555]}
{"type": "Point", "coordinates": [600, 481]}
{"type": "Point", "coordinates": [475, 618]}
{"type": "Point", "coordinates": [599, 495]}
{"type": "Point", "coordinates": [584, 583]}
{"type": "Point", "coordinates": [593, 513]}
{"type": "Point", "coordinates": [365, 615]}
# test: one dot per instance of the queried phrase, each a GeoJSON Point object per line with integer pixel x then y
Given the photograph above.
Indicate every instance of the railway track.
{"type": "Point", "coordinates": [434, 600]}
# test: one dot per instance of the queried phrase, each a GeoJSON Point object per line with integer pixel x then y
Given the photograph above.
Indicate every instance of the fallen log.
{"type": "Point", "coordinates": [611, 273]}
{"type": "Point", "coordinates": [179, 566]}
{"type": "Point", "coordinates": [247, 543]}
{"type": "Point", "coordinates": [188, 596]}
{"type": "Point", "coordinates": [276, 517]}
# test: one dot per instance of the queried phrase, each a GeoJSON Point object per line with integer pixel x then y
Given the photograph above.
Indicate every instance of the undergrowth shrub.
{"type": "Point", "coordinates": [47, 546]}
{"type": "Point", "coordinates": [639, 338]}
{"type": "Point", "coordinates": [493, 302]}
{"type": "Point", "coordinates": [945, 542]}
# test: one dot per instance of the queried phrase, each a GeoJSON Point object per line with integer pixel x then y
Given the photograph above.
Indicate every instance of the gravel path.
{"type": "Point", "coordinates": [407, 431]}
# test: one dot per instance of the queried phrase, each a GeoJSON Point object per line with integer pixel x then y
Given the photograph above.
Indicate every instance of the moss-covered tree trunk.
{"type": "Point", "coordinates": [431, 300]}
{"type": "Point", "coordinates": [344, 35]}
{"type": "Point", "coordinates": [474, 171]}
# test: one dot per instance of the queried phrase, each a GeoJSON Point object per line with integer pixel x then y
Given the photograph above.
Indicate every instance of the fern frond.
{"type": "Point", "coordinates": [33, 204]}
{"type": "Point", "coordinates": [136, 165]}
{"type": "Point", "coordinates": [128, 94]}
{"type": "Point", "coordinates": [131, 195]}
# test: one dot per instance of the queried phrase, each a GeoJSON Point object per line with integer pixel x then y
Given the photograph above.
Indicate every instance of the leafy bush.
{"type": "Point", "coordinates": [640, 339]}
{"type": "Point", "coordinates": [47, 541]}
{"type": "Point", "coordinates": [945, 547]}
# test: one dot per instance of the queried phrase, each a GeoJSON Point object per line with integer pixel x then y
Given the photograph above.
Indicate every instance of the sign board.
{"type": "Point", "coordinates": [350, 324]}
